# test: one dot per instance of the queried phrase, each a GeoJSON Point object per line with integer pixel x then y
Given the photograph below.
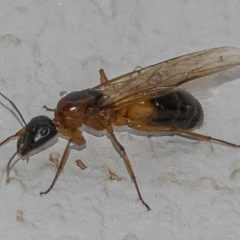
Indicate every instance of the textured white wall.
{"type": "Point", "coordinates": [192, 187]}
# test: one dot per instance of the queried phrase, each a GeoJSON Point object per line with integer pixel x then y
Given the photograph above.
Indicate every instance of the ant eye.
{"type": "Point", "coordinates": [41, 133]}
{"type": "Point", "coordinates": [44, 131]}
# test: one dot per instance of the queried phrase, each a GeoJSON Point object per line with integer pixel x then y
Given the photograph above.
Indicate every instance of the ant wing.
{"type": "Point", "coordinates": [164, 77]}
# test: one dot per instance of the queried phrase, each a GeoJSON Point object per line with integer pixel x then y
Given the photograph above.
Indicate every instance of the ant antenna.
{"type": "Point", "coordinates": [15, 107]}
{"type": "Point", "coordinates": [10, 166]}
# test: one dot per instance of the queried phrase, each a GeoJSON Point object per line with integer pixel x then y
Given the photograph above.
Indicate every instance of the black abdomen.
{"type": "Point", "coordinates": [178, 109]}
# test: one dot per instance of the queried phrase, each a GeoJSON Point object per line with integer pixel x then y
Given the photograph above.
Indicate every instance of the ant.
{"type": "Point", "coordinates": [150, 99]}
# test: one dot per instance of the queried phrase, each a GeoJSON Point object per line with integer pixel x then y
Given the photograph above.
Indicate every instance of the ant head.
{"type": "Point", "coordinates": [35, 134]}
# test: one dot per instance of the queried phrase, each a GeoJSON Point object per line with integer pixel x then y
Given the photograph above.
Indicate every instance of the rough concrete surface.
{"type": "Point", "coordinates": [193, 188]}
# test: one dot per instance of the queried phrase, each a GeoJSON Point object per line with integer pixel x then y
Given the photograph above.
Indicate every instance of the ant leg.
{"type": "Point", "coordinates": [181, 132]}
{"type": "Point", "coordinates": [127, 164]}
{"type": "Point", "coordinates": [7, 140]}
{"type": "Point", "coordinates": [48, 109]}
{"type": "Point", "coordinates": [103, 77]}
{"type": "Point", "coordinates": [204, 137]}
{"type": "Point", "coordinates": [60, 168]}
{"type": "Point", "coordinates": [16, 135]}
{"type": "Point", "coordinates": [76, 138]}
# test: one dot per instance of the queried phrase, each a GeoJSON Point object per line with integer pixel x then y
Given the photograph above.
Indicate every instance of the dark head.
{"type": "Point", "coordinates": [36, 133]}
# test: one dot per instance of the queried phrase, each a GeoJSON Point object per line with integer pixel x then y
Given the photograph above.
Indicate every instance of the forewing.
{"type": "Point", "coordinates": [164, 77]}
